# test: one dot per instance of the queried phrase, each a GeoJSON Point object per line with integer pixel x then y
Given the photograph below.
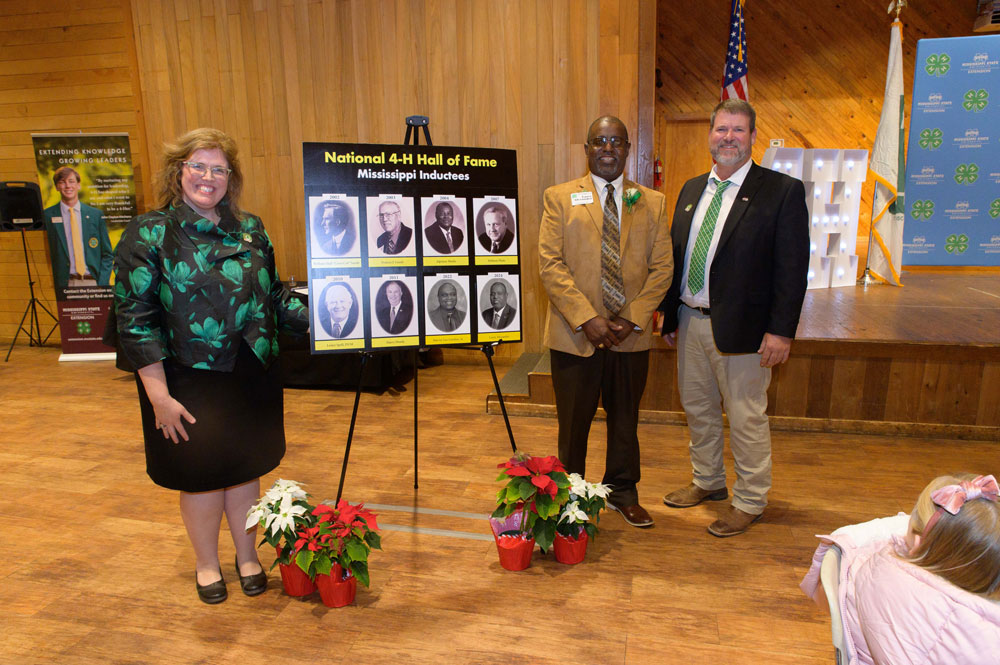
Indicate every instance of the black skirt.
{"type": "Point", "coordinates": [239, 434]}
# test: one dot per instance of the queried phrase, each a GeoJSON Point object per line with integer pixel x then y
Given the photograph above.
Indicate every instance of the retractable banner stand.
{"type": "Point", "coordinates": [411, 246]}
{"type": "Point", "coordinates": [88, 190]}
{"type": "Point", "coordinates": [953, 157]}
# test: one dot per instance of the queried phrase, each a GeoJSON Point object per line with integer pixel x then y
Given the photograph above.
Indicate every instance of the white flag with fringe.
{"type": "Point", "coordinates": [889, 170]}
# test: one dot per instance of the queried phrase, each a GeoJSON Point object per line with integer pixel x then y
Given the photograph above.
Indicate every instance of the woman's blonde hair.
{"type": "Point", "coordinates": [168, 180]}
{"type": "Point", "coordinates": [963, 548]}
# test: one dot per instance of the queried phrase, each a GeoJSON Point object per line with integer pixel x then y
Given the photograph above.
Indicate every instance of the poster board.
{"type": "Point", "coordinates": [953, 165]}
{"type": "Point", "coordinates": [411, 246]}
{"type": "Point", "coordinates": [95, 174]}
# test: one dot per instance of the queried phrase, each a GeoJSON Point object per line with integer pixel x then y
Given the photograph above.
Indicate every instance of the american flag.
{"type": "Point", "coordinates": [734, 79]}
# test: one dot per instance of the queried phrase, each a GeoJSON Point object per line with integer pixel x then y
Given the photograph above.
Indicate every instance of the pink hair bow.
{"type": "Point", "coordinates": [953, 497]}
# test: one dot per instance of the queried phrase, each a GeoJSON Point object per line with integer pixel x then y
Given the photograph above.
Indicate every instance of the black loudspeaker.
{"type": "Point", "coordinates": [20, 206]}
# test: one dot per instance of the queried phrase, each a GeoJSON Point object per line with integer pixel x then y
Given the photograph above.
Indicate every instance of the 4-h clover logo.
{"type": "Point", "coordinates": [995, 208]}
{"type": "Point", "coordinates": [930, 139]}
{"type": "Point", "coordinates": [966, 174]}
{"type": "Point", "coordinates": [956, 243]}
{"type": "Point", "coordinates": [976, 100]}
{"type": "Point", "coordinates": [83, 328]}
{"type": "Point", "coordinates": [922, 209]}
{"type": "Point", "coordinates": [937, 64]}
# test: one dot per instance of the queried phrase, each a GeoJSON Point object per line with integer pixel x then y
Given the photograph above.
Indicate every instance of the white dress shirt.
{"type": "Point", "coordinates": [701, 299]}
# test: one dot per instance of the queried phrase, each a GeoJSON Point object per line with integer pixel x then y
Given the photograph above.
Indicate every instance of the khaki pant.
{"type": "Point", "coordinates": [709, 380]}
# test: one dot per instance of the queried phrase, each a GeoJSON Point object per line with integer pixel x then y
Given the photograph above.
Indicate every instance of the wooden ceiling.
{"type": "Point", "coordinates": [817, 69]}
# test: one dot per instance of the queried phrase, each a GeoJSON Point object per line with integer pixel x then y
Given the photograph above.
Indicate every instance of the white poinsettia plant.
{"type": "Point", "coordinates": [582, 511]}
{"type": "Point", "coordinates": [279, 513]}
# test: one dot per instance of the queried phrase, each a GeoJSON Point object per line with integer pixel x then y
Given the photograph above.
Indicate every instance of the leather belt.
{"type": "Point", "coordinates": [707, 311]}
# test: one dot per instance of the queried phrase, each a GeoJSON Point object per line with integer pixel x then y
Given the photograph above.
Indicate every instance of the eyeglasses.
{"type": "Point", "coordinates": [387, 215]}
{"type": "Point", "coordinates": [202, 169]}
{"type": "Point", "coordinates": [601, 141]}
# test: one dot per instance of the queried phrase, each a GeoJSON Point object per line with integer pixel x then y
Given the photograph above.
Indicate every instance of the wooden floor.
{"type": "Point", "coordinates": [96, 567]}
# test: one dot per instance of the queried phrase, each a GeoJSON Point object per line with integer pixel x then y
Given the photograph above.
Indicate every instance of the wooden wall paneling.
{"type": "Point", "coordinates": [848, 382]}
{"type": "Point", "coordinates": [46, 85]}
{"type": "Point", "coordinates": [790, 399]}
{"type": "Point", "coordinates": [989, 395]}
{"type": "Point", "coordinates": [357, 68]}
{"type": "Point", "coordinates": [904, 388]}
{"type": "Point", "coordinates": [820, 384]}
{"type": "Point", "coordinates": [874, 392]}
{"type": "Point", "coordinates": [950, 388]}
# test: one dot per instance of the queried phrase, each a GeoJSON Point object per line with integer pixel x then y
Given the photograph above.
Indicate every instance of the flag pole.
{"type": "Point", "coordinates": [867, 278]}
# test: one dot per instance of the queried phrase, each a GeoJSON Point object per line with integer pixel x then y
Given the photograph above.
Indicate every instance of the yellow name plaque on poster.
{"type": "Point", "coordinates": [446, 260]}
{"type": "Point", "coordinates": [514, 336]}
{"type": "Point", "coordinates": [496, 260]}
{"type": "Point", "coordinates": [339, 344]}
{"type": "Point", "coordinates": [392, 262]}
{"type": "Point", "coordinates": [336, 263]}
{"type": "Point", "coordinates": [447, 339]}
{"type": "Point", "coordinates": [390, 342]}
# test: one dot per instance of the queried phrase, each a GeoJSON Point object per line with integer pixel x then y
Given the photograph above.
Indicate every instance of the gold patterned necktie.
{"type": "Point", "coordinates": [612, 284]}
{"type": "Point", "coordinates": [78, 257]}
{"type": "Point", "coordinates": [699, 255]}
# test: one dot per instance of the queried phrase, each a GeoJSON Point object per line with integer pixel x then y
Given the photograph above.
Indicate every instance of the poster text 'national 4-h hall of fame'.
{"type": "Point", "coordinates": [411, 246]}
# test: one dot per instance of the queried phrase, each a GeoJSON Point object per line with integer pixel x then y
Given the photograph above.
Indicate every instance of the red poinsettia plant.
{"type": "Point", "coordinates": [537, 487]}
{"type": "Point", "coordinates": [344, 535]}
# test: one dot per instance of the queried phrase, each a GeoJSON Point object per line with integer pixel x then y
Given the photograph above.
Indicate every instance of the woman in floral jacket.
{"type": "Point", "coordinates": [199, 306]}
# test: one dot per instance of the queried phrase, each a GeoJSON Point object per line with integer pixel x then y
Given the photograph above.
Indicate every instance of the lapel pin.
{"type": "Point", "coordinates": [688, 208]}
{"type": "Point", "coordinates": [745, 198]}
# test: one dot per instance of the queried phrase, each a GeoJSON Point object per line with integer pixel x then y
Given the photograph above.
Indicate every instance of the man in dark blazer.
{"type": "Point", "coordinates": [442, 235]}
{"type": "Point", "coordinates": [599, 326]}
{"type": "Point", "coordinates": [741, 234]}
{"type": "Point", "coordinates": [395, 311]}
{"type": "Point", "coordinates": [396, 236]}
{"type": "Point", "coordinates": [336, 232]}
{"type": "Point", "coordinates": [95, 243]}
{"type": "Point", "coordinates": [498, 237]}
{"type": "Point", "coordinates": [500, 314]}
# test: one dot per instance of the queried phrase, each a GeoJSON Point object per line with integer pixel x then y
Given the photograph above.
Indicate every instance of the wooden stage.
{"type": "Point", "coordinates": [922, 360]}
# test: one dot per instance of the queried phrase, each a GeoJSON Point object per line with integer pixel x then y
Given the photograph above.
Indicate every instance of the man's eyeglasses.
{"type": "Point", "coordinates": [601, 141]}
{"type": "Point", "coordinates": [387, 215]}
{"type": "Point", "coordinates": [202, 169]}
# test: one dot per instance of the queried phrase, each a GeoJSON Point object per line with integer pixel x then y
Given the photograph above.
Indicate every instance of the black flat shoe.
{"type": "Point", "coordinates": [253, 585]}
{"type": "Point", "coordinates": [212, 593]}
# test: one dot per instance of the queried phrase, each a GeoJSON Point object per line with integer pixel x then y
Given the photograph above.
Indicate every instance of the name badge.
{"type": "Point", "coordinates": [581, 198]}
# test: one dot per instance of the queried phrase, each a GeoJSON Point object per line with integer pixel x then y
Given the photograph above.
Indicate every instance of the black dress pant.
{"type": "Point", "coordinates": [618, 379]}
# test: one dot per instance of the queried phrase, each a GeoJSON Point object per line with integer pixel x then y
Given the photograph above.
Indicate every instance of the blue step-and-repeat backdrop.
{"type": "Point", "coordinates": [953, 156]}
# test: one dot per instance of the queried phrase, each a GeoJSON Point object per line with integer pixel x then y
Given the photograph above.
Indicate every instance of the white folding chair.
{"type": "Point", "coordinates": [829, 575]}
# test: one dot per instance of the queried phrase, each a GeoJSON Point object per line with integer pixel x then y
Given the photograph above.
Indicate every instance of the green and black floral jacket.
{"type": "Point", "coordinates": [190, 290]}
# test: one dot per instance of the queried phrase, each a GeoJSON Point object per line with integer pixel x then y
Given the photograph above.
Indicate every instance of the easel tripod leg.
{"type": "Point", "coordinates": [488, 352]}
{"type": "Point", "coordinates": [350, 432]}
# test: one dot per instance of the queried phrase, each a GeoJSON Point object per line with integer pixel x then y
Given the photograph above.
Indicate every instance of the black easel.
{"type": "Point", "coordinates": [416, 122]}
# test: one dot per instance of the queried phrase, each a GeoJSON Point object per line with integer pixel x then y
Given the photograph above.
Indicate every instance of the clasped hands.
{"type": "Point", "coordinates": [604, 333]}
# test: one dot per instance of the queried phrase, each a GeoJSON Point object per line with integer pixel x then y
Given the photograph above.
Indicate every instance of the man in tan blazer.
{"type": "Point", "coordinates": [606, 262]}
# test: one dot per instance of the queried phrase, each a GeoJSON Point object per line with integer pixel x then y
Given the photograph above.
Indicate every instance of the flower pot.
{"type": "Point", "coordinates": [515, 551]}
{"type": "Point", "coordinates": [295, 580]}
{"type": "Point", "coordinates": [335, 590]}
{"type": "Point", "coordinates": [570, 550]}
